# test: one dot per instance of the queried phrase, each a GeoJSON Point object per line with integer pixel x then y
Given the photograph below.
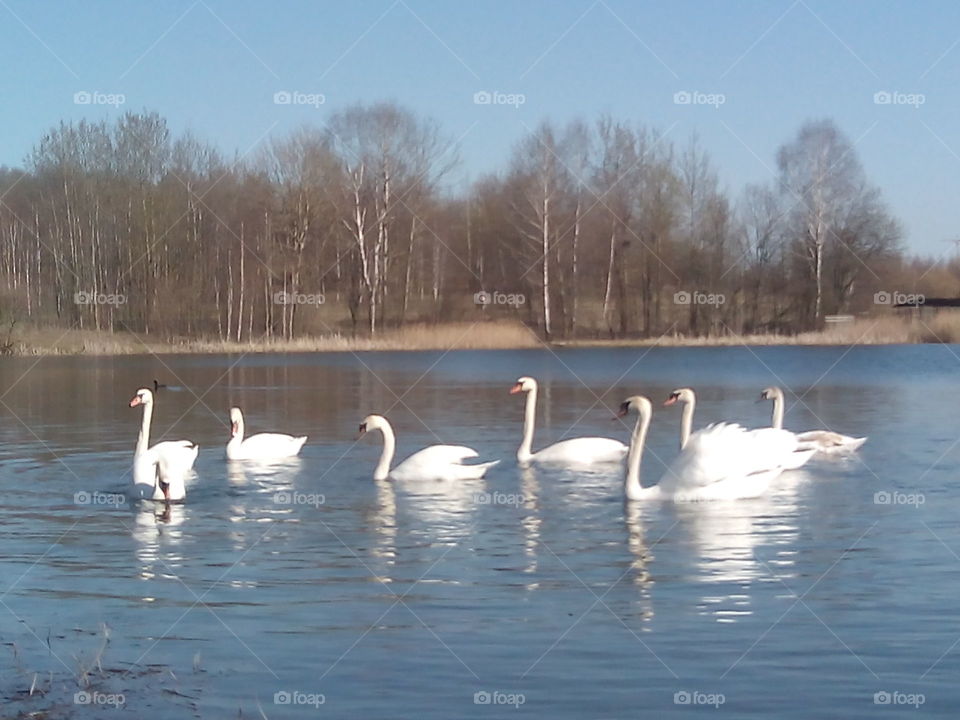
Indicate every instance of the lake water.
{"type": "Point", "coordinates": [309, 582]}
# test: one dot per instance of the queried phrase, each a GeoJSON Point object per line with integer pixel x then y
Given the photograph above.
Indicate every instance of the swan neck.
{"type": "Point", "coordinates": [143, 439]}
{"type": "Point", "coordinates": [686, 422]}
{"type": "Point", "coordinates": [386, 457]}
{"type": "Point", "coordinates": [529, 419]}
{"type": "Point", "coordinates": [777, 421]}
{"type": "Point", "coordinates": [631, 485]}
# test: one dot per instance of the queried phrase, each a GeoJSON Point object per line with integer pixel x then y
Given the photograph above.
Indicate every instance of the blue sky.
{"type": "Point", "coordinates": [214, 67]}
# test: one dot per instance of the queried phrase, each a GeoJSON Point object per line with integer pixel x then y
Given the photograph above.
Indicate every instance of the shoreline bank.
{"type": "Point", "coordinates": [495, 335]}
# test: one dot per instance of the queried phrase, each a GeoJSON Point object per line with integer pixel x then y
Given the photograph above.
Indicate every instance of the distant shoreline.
{"type": "Point", "coordinates": [494, 335]}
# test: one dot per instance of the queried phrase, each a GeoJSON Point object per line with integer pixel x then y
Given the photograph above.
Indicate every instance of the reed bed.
{"type": "Point", "coordinates": [497, 335]}
{"type": "Point", "coordinates": [447, 336]}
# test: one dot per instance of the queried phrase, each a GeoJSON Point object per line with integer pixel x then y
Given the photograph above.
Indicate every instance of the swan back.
{"type": "Point", "coordinates": [726, 452]}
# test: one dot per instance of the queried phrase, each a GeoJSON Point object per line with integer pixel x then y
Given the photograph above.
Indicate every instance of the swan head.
{"type": "Point", "coordinates": [681, 395]}
{"type": "Point", "coordinates": [371, 422]}
{"type": "Point", "coordinates": [638, 404]}
{"type": "Point", "coordinates": [771, 393]}
{"type": "Point", "coordinates": [524, 384]}
{"type": "Point", "coordinates": [236, 421]}
{"type": "Point", "coordinates": [142, 397]}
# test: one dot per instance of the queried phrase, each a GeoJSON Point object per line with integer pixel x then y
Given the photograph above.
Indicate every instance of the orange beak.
{"type": "Point", "coordinates": [233, 429]}
{"type": "Point", "coordinates": [670, 401]}
{"type": "Point", "coordinates": [518, 388]}
{"type": "Point", "coordinates": [135, 401]}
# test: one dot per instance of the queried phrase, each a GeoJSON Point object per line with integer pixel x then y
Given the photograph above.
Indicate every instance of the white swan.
{"type": "Point", "coordinates": [823, 441]}
{"type": "Point", "coordinates": [576, 451]}
{"type": "Point", "coordinates": [262, 446]}
{"type": "Point", "coordinates": [178, 458]}
{"type": "Point", "coordinates": [797, 458]}
{"type": "Point", "coordinates": [437, 462]}
{"type": "Point", "coordinates": [722, 461]}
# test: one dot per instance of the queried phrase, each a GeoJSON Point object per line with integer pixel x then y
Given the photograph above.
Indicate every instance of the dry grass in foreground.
{"type": "Point", "coordinates": [498, 335]}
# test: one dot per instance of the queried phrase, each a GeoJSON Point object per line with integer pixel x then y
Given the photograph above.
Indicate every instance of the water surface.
{"type": "Point", "coordinates": [531, 587]}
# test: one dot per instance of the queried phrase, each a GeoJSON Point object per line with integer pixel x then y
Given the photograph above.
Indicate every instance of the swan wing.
{"type": "Point", "coordinates": [267, 445]}
{"type": "Point", "coordinates": [582, 451]}
{"type": "Point", "coordinates": [440, 462]}
{"type": "Point", "coordinates": [828, 442]}
{"type": "Point", "coordinates": [179, 454]}
{"type": "Point", "coordinates": [725, 452]}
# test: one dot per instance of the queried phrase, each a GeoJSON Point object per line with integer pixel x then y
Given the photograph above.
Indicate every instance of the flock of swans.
{"type": "Point", "coordinates": [720, 461]}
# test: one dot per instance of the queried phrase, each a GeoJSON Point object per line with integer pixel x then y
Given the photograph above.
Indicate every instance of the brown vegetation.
{"type": "Point", "coordinates": [497, 335]}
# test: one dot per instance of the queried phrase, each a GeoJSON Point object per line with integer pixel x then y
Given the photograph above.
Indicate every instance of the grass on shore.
{"type": "Point", "coordinates": [446, 336]}
{"type": "Point", "coordinates": [497, 335]}
{"type": "Point", "coordinates": [889, 330]}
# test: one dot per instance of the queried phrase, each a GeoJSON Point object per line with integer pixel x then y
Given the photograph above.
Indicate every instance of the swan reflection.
{"type": "Point", "coordinates": [642, 556]}
{"type": "Point", "coordinates": [727, 538]}
{"type": "Point", "coordinates": [531, 521]}
{"type": "Point", "coordinates": [157, 529]}
{"type": "Point", "coordinates": [443, 509]}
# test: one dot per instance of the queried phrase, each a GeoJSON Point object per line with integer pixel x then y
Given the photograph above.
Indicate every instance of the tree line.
{"type": "Point", "coordinates": [591, 229]}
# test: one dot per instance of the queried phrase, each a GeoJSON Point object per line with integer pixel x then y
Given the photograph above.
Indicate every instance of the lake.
{"type": "Point", "coordinates": [306, 588]}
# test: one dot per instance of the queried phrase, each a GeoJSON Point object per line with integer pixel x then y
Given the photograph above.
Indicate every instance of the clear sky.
{"type": "Point", "coordinates": [213, 67]}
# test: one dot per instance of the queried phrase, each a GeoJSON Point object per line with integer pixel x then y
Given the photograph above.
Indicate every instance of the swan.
{"type": "Point", "coordinates": [179, 455]}
{"type": "Point", "coordinates": [262, 446]}
{"type": "Point", "coordinates": [798, 457]}
{"type": "Point", "coordinates": [576, 451]}
{"type": "Point", "coordinates": [437, 462]}
{"type": "Point", "coordinates": [823, 441]}
{"type": "Point", "coordinates": [722, 461]}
